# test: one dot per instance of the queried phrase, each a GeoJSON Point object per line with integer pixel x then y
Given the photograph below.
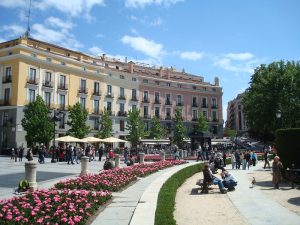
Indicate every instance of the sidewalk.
{"type": "Point", "coordinates": [256, 207]}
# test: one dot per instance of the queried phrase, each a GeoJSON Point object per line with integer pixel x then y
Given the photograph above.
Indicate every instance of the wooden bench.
{"type": "Point", "coordinates": [203, 185]}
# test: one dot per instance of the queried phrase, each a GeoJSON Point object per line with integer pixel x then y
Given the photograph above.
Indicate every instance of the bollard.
{"type": "Point", "coordinates": [30, 175]}
{"type": "Point", "coordinates": [142, 157]}
{"type": "Point", "coordinates": [162, 156]}
{"type": "Point", "coordinates": [117, 160]}
{"type": "Point", "coordinates": [184, 153]}
{"type": "Point", "coordinates": [181, 154]}
{"type": "Point", "coordinates": [84, 165]}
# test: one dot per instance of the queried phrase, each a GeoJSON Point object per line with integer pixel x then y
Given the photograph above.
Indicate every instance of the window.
{"type": "Point", "coordinates": [133, 107]}
{"type": "Point", "coordinates": [32, 75]}
{"type": "Point", "coordinates": [117, 67]}
{"type": "Point", "coordinates": [204, 104]}
{"type": "Point", "coordinates": [62, 121]}
{"type": "Point", "coordinates": [122, 125]}
{"type": "Point", "coordinates": [82, 102]}
{"type": "Point", "coordinates": [48, 49]}
{"type": "Point", "coordinates": [145, 81]}
{"type": "Point", "coordinates": [96, 124]}
{"type": "Point", "coordinates": [96, 88]}
{"type": "Point", "coordinates": [62, 102]}
{"type": "Point", "coordinates": [8, 73]}
{"type": "Point", "coordinates": [169, 84]}
{"type": "Point", "coordinates": [122, 77]}
{"type": "Point", "coordinates": [33, 55]}
{"type": "Point", "coordinates": [168, 113]}
{"type": "Point", "coordinates": [214, 115]}
{"type": "Point", "coordinates": [195, 104]}
{"type": "Point", "coordinates": [83, 86]}
{"type": "Point", "coordinates": [96, 106]}
{"type": "Point", "coordinates": [146, 96]}
{"type": "Point", "coordinates": [147, 125]}
{"type": "Point", "coordinates": [134, 79]}
{"type": "Point", "coordinates": [31, 97]}
{"type": "Point", "coordinates": [108, 108]}
{"type": "Point", "coordinates": [168, 99]}
{"type": "Point", "coordinates": [194, 87]}
{"type": "Point", "coordinates": [62, 81]}
{"type": "Point", "coordinates": [204, 113]}
{"type": "Point", "coordinates": [157, 82]}
{"type": "Point", "coordinates": [122, 95]}
{"type": "Point", "coordinates": [179, 100]}
{"type": "Point", "coordinates": [195, 115]}
{"type": "Point", "coordinates": [48, 79]}
{"type": "Point", "coordinates": [239, 107]}
{"type": "Point", "coordinates": [47, 98]}
{"type": "Point", "coordinates": [179, 85]}
{"type": "Point", "coordinates": [156, 111]}
{"type": "Point", "coordinates": [214, 103]}
{"type": "Point", "coordinates": [145, 111]}
{"type": "Point", "coordinates": [122, 107]}
{"type": "Point", "coordinates": [109, 89]}
{"type": "Point", "coordinates": [6, 95]}
{"type": "Point", "coordinates": [133, 94]}
{"type": "Point", "coordinates": [156, 100]}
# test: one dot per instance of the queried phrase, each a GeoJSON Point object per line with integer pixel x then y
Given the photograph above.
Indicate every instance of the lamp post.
{"type": "Point", "coordinates": [57, 116]}
{"type": "Point", "coordinates": [278, 116]}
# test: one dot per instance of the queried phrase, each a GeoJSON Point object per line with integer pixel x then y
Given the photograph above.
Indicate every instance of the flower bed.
{"type": "Point", "coordinates": [52, 207]}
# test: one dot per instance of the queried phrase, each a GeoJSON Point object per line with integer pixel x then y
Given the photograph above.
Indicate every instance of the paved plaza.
{"type": "Point", "coordinates": [137, 203]}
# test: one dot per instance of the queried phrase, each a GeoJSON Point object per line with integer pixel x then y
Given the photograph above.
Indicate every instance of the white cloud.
{"type": "Point", "coordinates": [73, 8]}
{"type": "Point", "coordinates": [96, 50]}
{"type": "Point", "coordinates": [100, 35]}
{"type": "Point", "coordinates": [134, 31]}
{"type": "Point", "coordinates": [58, 23]}
{"type": "Point", "coordinates": [61, 37]}
{"type": "Point", "coordinates": [143, 3]}
{"type": "Point", "coordinates": [13, 3]}
{"type": "Point", "coordinates": [240, 56]}
{"type": "Point", "coordinates": [2, 40]}
{"type": "Point", "coordinates": [13, 30]}
{"type": "Point", "coordinates": [191, 55]}
{"type": "Point", "coordinates": [148, 47]}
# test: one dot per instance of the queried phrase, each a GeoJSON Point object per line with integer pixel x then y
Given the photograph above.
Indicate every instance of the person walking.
{"type": "Point", "coordinates": [16, 154]}
{"type": "Point", "coordinates": [276, 168]}
{"type": "Point", "coordinates": [233, 159]}
{"type": "Point", "coordinates": [237, 160]}
{"type": "Point", "coordinates": [254, 158]}
{"type": "Point", "coordinates": [266, 159]}
{"type": "Point", "coordinates": [21, 154]}
{"type": "Point", "coordinates": [100, 152]}
{"type": "Point", "coordinates": [12, 154]}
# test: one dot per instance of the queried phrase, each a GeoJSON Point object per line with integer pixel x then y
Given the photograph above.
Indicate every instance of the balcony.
{"type": "Point", "coordinates": [122, 113]}
{"type": "Point", "coordinates": [111, 113]}
{"type": "Point", "coordinates": [62, 86]}
{"type": "Point", "coordinates": [156, 101]}
{"type": "Point", "coordinates": [204, 105]}
{"type": "Point", "coordinates": [122, 97]}
{"type": "Point", "coordinates": [5, 102]}
{"type": "Point", "coordinates": [48, 84]}
{"type": "Point", "coordinates": [83, 90]}
{"type": "Point", "coordinates": [62, 107]}
{"type": "Point", "coordinates": [179, 104]}
{"type": "Point", "coordinates": [6, 79]}
{"type": "Point", "coordinates": [109, 95]}
{"type": "Point", "coordinates": [32, 81]}
{"type": "Point", "coordinates": [214, 106]}
{"type": "Point", "coordinates": [146, 100]}
{"type": "Point", "coordinates": [134, 99]}
{"type": "Point", "coordinates": [168, 117]}
{"type": "Point", "coordinates": [168, 102]}
{"type": "Point", "coordinates": [194, 119]}
{"type": "Point", "coordinates": [96, 93]}
{"type": "Point", "coordinates": [146, 116]}
{"type": "Point", "coordinates": [195, 104]}
{"type": "Point", "coordinates": [96, 111]}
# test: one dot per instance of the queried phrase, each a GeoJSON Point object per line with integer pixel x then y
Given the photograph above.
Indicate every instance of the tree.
{"type": "Point", "coordinates": [36, 123]}
{"type": "Point", "coordinates": [202, 124]}
{"type": "Point", "coordinates": [77, 121]}
{"type": "Point", "coordinates": [230, 132]}
{"type": "Point", "coordinates": [273, 88]}
{"type": "Point", "coordinates": [156, 131]}
{"type": "Point", "coordinates": [135, 127]}
{"type": "Point", "coordinates": [179, 129]}
{"type": "Point", "coordinates": [106, 126]}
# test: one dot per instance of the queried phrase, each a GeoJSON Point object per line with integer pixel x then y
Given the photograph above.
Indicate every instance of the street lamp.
{"type": "Point", "coordinates": [278, 114]}
{"type": "Point", "coordinates": [57, 116]}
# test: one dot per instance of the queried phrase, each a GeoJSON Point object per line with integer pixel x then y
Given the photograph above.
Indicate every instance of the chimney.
{"type": "Point", "coordinates": [217, 81]}
{"type": "Point", "coordinates": [130, 67]}
{"type": "Point", "coordinates": [103, 57]}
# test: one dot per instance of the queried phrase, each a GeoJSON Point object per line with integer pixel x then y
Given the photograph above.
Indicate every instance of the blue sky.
{"type": "Point", "coordinates": [224, 38]}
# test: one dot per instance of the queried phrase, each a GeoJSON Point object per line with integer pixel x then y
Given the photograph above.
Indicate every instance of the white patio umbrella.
{"type": "Point", "coordinates": [69, 138]}
{"type": "Point", "coordinates": [91, 139]}
{"type": "Point", "coordinates": [113, 140]}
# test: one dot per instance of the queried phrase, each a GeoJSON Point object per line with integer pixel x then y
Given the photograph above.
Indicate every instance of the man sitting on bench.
{"type": "Point", "coordinates": [210, 178]}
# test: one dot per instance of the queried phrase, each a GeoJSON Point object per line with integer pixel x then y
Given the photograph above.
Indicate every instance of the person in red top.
{"type": "Point", "coordinates": [111, 154]}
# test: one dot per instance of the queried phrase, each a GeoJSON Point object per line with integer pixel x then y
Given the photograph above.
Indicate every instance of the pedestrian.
{"type": "Point", "coordinates": [229, 181]}
{"type": "Point", "coordinates": [224, 159]}
{"type": "Point", "coordinates": [276, 168]}
{"type": "Point", "coordinates": [233, 159]}
{"type": "Point", "coordinates": [199, 153]}
{"type": "Point", "coordinates": [254, 158]}
{"type": "Point", "coordinates": [125, 155]}
{"type": "Point", "coordinates": [21, 154]}
{"type": "Point", "coordinates": [266, 159]}
{"type": "Point", "coordinates": [248, 159]}
{"type": "Point", "coordinates": [110, 154]}
{"type": "Point", "coordinates": [69, 153]}
{"type": "Point", "coordinates": [16, 154]}
{"type": "Point", "coordinates": [237, 160]}
{"type": "Point", "coordinates": [29, 155]}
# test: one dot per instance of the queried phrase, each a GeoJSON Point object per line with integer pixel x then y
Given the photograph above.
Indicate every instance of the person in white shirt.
{"type": "Point", "coordinates": [229, 181]}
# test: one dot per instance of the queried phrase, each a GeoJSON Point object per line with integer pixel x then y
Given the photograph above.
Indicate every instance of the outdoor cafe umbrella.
{"type": "Point", "coordinates": [69, 139]}
{"type": "Point", "coordinates": [113, 140]}
{"type": "Point", "coordinates": [91, 139]}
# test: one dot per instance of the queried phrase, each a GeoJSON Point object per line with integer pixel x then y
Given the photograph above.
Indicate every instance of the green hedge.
{"type": "Point", "coordinates": [288, 146]}
{"type": "Point", "coordinates": [166, 197]}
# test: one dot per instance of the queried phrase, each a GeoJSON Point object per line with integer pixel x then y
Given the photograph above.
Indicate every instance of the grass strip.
{"type": "Point", "coordinates": [166, 197]}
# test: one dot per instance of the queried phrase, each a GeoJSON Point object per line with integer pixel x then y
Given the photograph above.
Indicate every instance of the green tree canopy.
{"type": "Point", "coordinates": [202, 124]}
{"type": "Point", "coordinates": [156, 131]}
{"type": "Point", "coordinates": [179, 128]}
{"type": "Point", "coordinates": [135, 127]}
{"type": "Point", "coordinates": [77, 121]}
{"type": "Point", "coordinates": [273, 88]}
{"type": "Point", "coordinates": [106, 125]}
{"type": "Point", "coordinates": [36, 123]}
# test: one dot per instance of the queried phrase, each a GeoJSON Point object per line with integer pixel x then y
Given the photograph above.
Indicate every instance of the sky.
{"type": "Point", "coordinates": [210, 38]}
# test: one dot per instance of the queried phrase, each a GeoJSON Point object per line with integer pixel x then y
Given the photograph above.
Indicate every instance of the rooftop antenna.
{"type": "Point", "coordinates": [26, 35]}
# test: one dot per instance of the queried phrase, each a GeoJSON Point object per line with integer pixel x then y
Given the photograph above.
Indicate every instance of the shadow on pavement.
{"type": "Point", "coordinates": [294, 201]}
{"type": "Point", "coordinates": [12, 180]}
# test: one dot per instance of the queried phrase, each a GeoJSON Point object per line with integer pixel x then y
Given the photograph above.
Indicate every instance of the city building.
{"type": "Point", "coordinates": [63, 77]}
{"type": "Point", "coordinates": [236, 119]}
